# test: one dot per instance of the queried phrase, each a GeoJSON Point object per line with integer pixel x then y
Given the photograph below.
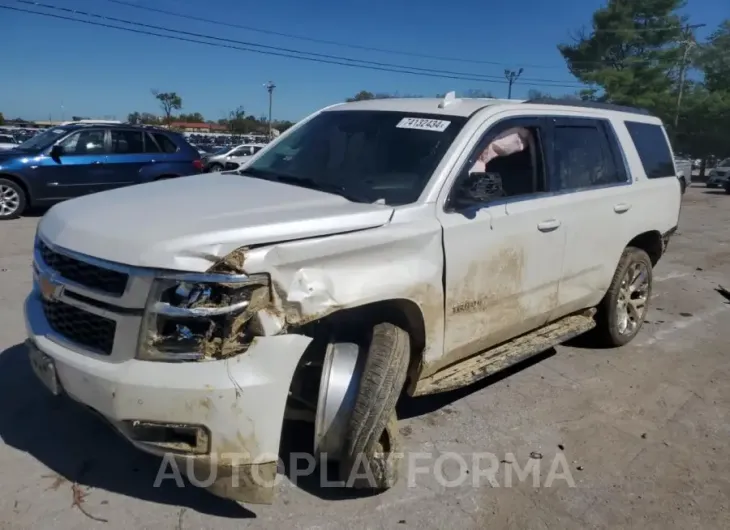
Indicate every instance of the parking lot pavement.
{"type": "Point", "coordinates": [641, 431]}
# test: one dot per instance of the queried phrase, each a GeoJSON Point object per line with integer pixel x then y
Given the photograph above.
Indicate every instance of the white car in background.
{"type": "Point", "coordinates": [719, 175]}
{"type": "Point", "coordinates": [218, 160]}
{"type": "Point", "coordinates": [234, 163]}
{"type": "Point", "coordinates": [7, 142]}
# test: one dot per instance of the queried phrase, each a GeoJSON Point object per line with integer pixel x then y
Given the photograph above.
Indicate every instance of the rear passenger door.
{"type": "Point", "coordinates": [127, 156]}
{"type": "Point", "coordinates": [590, 176]}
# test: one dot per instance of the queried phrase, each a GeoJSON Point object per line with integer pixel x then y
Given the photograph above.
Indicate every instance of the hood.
{"type": "Point", "coordinates": [189, 223]}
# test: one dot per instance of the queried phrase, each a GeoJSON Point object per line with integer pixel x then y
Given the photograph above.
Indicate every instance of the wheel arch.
{"type": "Point", "coordinates": [650, 242]}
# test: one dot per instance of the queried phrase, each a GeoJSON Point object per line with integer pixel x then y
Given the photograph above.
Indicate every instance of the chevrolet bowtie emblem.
{"type": "Point", "coordinates": [50, 288]}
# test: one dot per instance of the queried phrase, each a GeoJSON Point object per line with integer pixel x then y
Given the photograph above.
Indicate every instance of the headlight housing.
{"type": "Point", "coordinates": [200, 316]}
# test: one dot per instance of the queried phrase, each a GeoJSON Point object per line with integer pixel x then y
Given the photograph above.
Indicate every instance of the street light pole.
{"type": "Point", "coordinates": [689, 42]}
{"type": "Point", "coordinates": [511, 77]}
{"type": "Point", "coordinates": [270, 86]}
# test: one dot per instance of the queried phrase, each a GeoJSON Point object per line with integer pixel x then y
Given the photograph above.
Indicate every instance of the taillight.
{"type": "Point", "coordinates": [198, 164]}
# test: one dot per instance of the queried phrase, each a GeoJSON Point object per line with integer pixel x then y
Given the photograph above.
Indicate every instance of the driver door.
{"type": "Point", "coordinates": [503, 247]}
{"type": "Point", "coordinates": [80, 170]}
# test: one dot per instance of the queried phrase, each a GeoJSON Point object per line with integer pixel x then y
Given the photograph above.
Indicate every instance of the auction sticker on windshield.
{"type": "Point", "coordinates": [423, 124]}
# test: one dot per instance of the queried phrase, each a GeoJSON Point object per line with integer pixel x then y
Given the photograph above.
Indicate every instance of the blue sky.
{"type": "Point", "coordinates": [62, 68]}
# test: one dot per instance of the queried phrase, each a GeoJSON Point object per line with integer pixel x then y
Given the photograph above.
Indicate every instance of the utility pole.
{"type": "Point", "coordinates": [270, 86]}
{"type": "Point", "coordinates": [511, 77]}
{"type": "Point", "coordinates": [688, 41]}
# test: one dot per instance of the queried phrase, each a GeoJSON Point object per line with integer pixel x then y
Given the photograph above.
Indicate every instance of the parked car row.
{"type": "Point", "coordinates": [82, 158]}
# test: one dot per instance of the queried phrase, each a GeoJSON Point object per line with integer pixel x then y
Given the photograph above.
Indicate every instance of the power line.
{"type": "Point", "coordinates": [275, 50]}
{"type": "Point", "coordinates": [482, 77]}
{"type": "Point", "coordinates": [371, 48]}
{"type": "Point", "coordinates": [313, 39]}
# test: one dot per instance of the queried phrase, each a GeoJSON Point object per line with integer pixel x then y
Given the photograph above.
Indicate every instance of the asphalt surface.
{"type": "Point", "coordinates": [642, 431]}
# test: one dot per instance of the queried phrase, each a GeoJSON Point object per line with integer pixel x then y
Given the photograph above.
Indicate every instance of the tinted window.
{"type": "Point", "coordinates": [150, 146]}
{"type": "Point", "coordinates": [84, 143]}
{"type": "Point", "coordinates": [583, 157]}
{"type": "Point", "coordinates": [257, 149]}
{"type": "Point", "coordinates": [127, 142]}
{"type": "Point", "coordinates": [167, 145]}
{"type": "Point", "coordinates": [654, 152]}
{"type": "Point", "coordinates": [372, 154]}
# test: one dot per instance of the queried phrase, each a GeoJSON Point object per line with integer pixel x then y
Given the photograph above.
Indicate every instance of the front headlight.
{"type": "Point", "coordinates": [199, 316]}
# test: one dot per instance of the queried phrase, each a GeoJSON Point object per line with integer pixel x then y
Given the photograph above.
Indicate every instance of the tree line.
{"type": "Point", "coordinates": [237, 121]}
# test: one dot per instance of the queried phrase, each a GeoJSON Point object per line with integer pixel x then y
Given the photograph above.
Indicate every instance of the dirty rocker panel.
{"type": "Point", "coordinates": [505, 355]}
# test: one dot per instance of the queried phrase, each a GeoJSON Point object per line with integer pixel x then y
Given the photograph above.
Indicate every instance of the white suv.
{"type": "Point", "coordinates": [377, 247]}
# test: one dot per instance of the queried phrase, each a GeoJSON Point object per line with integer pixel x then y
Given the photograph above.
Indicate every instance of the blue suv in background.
{"type": "Point", "coordinates": [77, 159]}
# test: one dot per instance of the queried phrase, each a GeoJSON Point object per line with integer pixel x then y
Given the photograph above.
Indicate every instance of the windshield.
{"type": "Point", "coordinates": [42, 140]}
{"type": "Point", "coordinates": [221, 151]}
{"type": "Point", "coordinates": [724, 163]}
{"type": "Point", "coordinates": [7, 139]}
{"type": "Point", "coordinates": [376, 155]}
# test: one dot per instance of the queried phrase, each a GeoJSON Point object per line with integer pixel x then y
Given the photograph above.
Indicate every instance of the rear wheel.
{"type": "Point", "coordinates": [622, 311]}
{"type": "Point", "coordinates": [12, 200]}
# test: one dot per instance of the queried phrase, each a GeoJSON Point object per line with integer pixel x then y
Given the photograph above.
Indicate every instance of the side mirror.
{"type": "Point", "coordinates": [56, 152]}
{"type": "Point", "coordinates": [479, 188]}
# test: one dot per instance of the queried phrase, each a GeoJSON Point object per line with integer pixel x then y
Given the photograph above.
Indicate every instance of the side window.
{"type": "Point", "coordinates": [84, 142]}
{"type": "Point", "coordinates": [257, 149]}
{"type": "Point", "coordinates": [127, 142]}
{"type": "Point", "coordinates": [507, 162]}
{"type": "Point", "coordinates": [654, 152]}
{"type": "Point", "coordinates": [150, 146]}
{"type": "Point", "coordinates": [167, 145]}
{"type": "Point", "coordinates": [583, 155]}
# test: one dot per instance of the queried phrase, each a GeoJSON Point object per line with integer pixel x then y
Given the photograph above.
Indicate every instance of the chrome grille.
{"type": "Point", "coordinates": [84, 274]}
{"type": "Point", "coordinates": [81, 327]}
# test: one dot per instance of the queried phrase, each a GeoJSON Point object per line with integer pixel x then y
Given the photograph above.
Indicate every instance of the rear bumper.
{"type": "Point", "coordinates": [220, 421]}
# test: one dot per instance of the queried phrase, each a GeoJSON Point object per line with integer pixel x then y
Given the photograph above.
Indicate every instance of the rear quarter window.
{"type": "Point", "coordinates": [653, 148]}
{"type": "Point", "coordinates": [165, 143]}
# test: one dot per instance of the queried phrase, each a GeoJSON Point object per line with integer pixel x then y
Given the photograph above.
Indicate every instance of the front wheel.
{"type": "Point", "coordinates": [683, 185]}
{"type": "Point", "coordinates": [623, 310]}
{"type": "Point", "coordinates": [12, 200]}
{"type": "Point", "coordinates": [214, 168]}
{"type": "Point", "coordinates": [369, 453]}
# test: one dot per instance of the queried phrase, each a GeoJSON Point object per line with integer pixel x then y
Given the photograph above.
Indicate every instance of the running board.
{"type": "Point", "coordinates": [505, 355]}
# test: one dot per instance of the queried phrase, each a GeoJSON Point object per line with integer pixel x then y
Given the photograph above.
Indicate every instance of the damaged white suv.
{"type": "Point", "coordinates": [378, 247]}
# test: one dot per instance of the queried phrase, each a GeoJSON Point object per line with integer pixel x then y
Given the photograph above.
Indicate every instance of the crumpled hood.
{"type": "Point", "coordinates": [189, 223]}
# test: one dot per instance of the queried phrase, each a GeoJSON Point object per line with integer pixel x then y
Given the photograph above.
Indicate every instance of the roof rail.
{"type": "Point", "coordinates": [588, 105]}
{"type": "Point", "coordinates": [91, 122]}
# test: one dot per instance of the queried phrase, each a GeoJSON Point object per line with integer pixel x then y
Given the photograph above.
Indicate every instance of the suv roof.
{"type": "Point", "coordinates": [451, 106]}
{"type": "Point", "coordinates": [85, 125]}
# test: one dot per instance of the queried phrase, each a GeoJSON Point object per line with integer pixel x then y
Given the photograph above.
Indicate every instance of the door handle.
{"type": "Point", "coordinates": [549, 225]}
{"type": "Point", "coordinates": [621, 207]}
{"type": "Point", "coordinates": [97, 162]}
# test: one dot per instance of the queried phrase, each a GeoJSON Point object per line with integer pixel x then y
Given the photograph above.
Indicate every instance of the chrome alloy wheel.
{"type": "Point", "coordinates": [633, 297]}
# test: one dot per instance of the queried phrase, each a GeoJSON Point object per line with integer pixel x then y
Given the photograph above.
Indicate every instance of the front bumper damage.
{"type": "Point", "coordinates": [218, 420]}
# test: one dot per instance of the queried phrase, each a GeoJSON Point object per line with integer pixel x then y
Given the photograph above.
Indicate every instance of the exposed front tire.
{"type": "Point", "coordinates": [622, 311]}
{"type": "Point", "coordinates": [369, 457]}
{"type": "Point", "coordinates": [683, 185]}
{"type": "Point", "coordinates": [213, 168]}
{"type": "Point", "coordinates": [13, 200]}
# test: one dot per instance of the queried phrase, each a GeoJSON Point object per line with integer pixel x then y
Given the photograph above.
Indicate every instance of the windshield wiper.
{"type": "Point", "coordinates": [304, 182]}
